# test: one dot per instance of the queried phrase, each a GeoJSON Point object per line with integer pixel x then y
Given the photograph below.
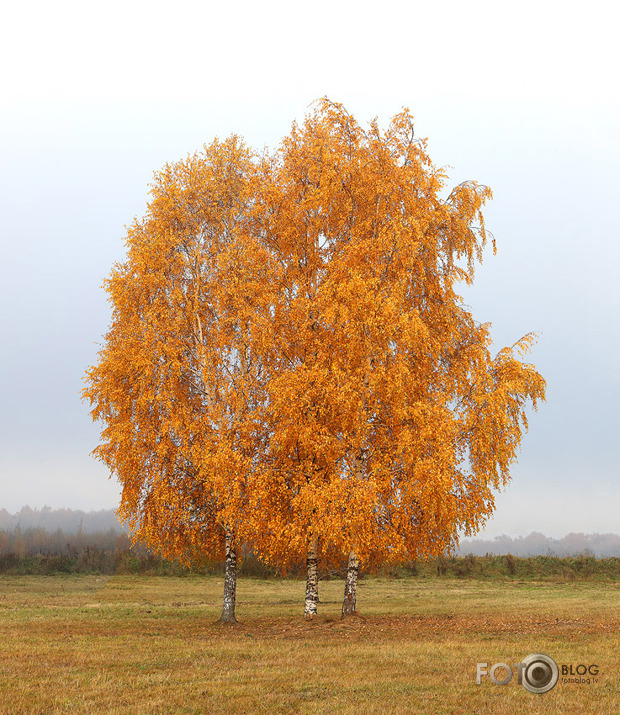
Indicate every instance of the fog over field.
{"type": "Point", "coordinates": [534, 544]}
{"type": "Point", "coordinates": [523, 99]}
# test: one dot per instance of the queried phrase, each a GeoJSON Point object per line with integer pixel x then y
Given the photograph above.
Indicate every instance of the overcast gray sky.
{"type": "Point", "coordinates": [522, 97]}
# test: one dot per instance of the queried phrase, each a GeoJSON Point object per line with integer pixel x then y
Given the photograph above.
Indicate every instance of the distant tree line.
{"type": "Point", "coordinates": [33, 541]}
{"type": "Point", "coordinates": [68, 520]}
{"type": "Point", "coordinates": [536, 544]}
{"type": "Point", "coordinates": [53, 540]}
{"type": "Point", "coordinates": [33, 550]}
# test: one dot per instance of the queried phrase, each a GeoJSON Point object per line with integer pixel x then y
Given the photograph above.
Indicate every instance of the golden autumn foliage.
{"type": "Point", "coordinates": [289, 359]}
{"type": "Point", "coordinates": [176, 381]}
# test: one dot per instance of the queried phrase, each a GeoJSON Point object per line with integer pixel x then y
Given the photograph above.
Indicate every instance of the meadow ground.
{"type": "Point", "coordinates": [146, 644]}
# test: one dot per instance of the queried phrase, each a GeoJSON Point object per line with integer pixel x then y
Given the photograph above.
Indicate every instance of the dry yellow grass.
{"type": "Point", "coordinates": [90, 644]}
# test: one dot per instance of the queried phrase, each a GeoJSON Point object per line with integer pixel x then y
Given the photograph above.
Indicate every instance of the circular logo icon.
{"type": "Point", "coordinates": [539, 673]}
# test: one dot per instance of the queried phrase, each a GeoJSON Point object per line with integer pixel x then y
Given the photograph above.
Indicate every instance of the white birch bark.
{"type": "Point", "coordinates": [350, 585]}
{"type": "Point", "coordinates": [312, 581]}
{"type": "Point", "coordinates": [353, 566]}
{"type": "Point", "coordinates": [230, 581]}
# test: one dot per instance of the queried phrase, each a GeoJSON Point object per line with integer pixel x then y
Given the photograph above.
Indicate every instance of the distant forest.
{"type": "Point", "coordinates": [66, 520]}
{"type": "Point", "coordinates": [536, 544]}
{"type": "Point", "coordinates": [66, 531]}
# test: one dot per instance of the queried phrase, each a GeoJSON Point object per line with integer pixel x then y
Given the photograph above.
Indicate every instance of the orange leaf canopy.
{"type": "Point", "coordinates": [289, 360]}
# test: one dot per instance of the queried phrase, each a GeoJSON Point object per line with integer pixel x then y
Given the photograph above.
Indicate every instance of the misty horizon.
{"type": "Point", "coordinates": [532, 544]}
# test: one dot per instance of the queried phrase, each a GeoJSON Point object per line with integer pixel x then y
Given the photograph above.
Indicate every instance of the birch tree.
{"type": "Point", "coordinates": [178, 382]}
{"type": "Point", "coordinates": [290, 364]}
{"type": "Point", "coordinates": [392, 424]}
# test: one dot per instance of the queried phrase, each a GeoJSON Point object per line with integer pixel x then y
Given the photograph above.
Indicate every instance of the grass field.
{"type": "Point", "coordinates": [146, 644]}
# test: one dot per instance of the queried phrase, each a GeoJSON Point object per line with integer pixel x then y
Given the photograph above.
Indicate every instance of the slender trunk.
{"type": "Point", "coordinates": [350, 585]}
{"type": "Point", "coordinates": [230, 581]}
{"type": "Point", "coordinates": [312, 581]}
{"type": "Point", "coordinates": [360, 471]}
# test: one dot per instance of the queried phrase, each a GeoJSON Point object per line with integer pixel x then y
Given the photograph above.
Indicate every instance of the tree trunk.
{"type": "Point", "coordinates": [312, 581]}
{"type": "Point", "coordinates": [230, 581]}
{"type": "Point", "coordinates": [350, 585]}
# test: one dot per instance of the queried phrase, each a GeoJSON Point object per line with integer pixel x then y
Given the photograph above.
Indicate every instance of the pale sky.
{"type": "Point", "coordinates": [521, 97]}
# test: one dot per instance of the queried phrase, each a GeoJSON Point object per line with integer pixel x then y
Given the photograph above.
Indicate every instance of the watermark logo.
{"type": "Point", "coordinates": [537, 673]}
{"type": "Point", "coordinates": [582, 674]}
